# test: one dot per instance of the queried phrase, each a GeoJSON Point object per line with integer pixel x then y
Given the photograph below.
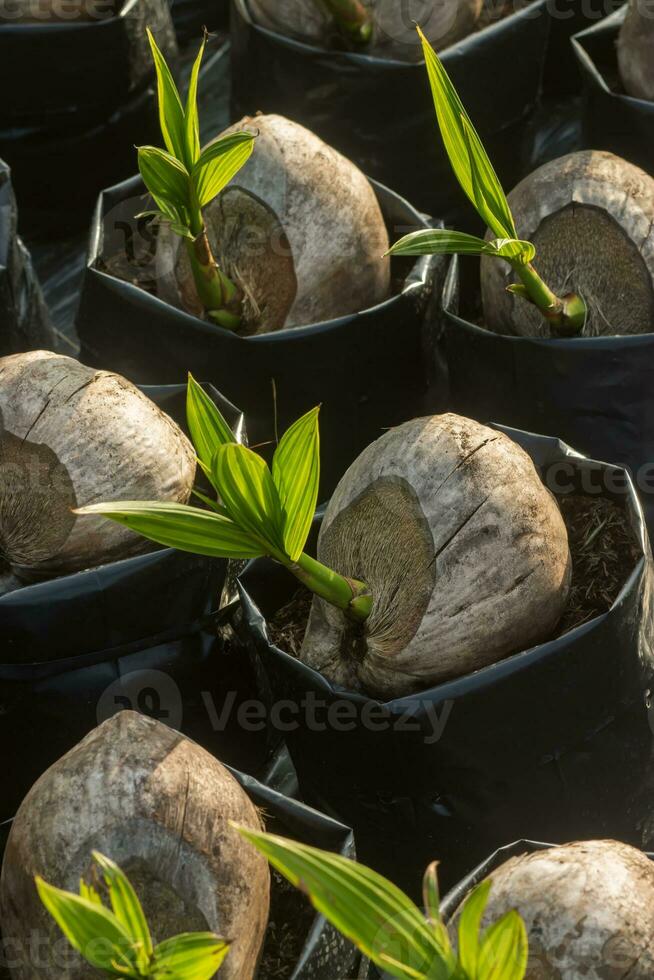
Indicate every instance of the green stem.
{"type": "Point", "coordinates": [352, 19]}
{"type": "Point", "coordinates": [350, 595]}
{"type": "Point", "coordinates": [215, 290]}
{"type": "Point", "coordinates": [566, 315]}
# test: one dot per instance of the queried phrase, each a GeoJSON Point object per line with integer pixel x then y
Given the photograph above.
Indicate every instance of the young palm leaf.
{"type": "Point", "coordinates": [182, 180]}
{"type": "Point", "coordinates": [386, 925]}
{"type": "Point", "coordinates": [477, 178]}
{"type": "Point", "coordinates": [258, 511]}
{"type": "Point", "coordinates": [118, 941]}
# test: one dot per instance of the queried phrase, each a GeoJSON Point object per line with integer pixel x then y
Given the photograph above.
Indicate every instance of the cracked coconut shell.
{"type": "Point", "coordinates": [591, 217]}
{"type": "Point", "coordinates": [394, 23]}
{"type": "Point", "coordinates": [464, 549]}
{"type": "Point", "coordinates": [159, 806]}
{"type": "Point", "coordinates": [299, 230]}
{"type": "Point", "coordinates": [71, 436]}
{"type": "Point", "coordinates": [588, 908]}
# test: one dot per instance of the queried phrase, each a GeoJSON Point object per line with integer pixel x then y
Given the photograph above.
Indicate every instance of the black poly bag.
{"type": "Point", "coordinates": [595, 393]}
{"type": "Point", "coordinates": [137, 633]}
{"type": "Point", "coordinates": [551, 742]}
{"type": "Point", "coordinates": [367, 369]}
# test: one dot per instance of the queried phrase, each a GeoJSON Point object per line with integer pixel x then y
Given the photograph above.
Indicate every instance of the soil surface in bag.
{"type": "Point", "coordinates": [366, 369]}
{"type": "Point", "coordinates": [611, 119]}
{"type": "Point", "coordinates": [551, 742]}
{"type": "Point", "coordinates": [139, 633]}
{"type": "Point", "coordinates": [380, 113]}
{"type": "Point", "coordinates": [299, 944]}
{"type": "Point", "coordinates": [24, 320]}
{"type": "Point", "coordinates": [596, 393]}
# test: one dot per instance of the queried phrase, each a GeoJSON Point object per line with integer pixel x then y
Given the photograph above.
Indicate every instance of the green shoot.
{"type": "Point", "coordinates": [117, 941]}
{"type": "Point", "coordinates": [353, 20]}
{"type": "Point", "coordinates": [386, 925]}
{"type": "Point", "coordinates": [183, 179]}
{"type": "Point", "coordinates": [258, 511]}
{"type": "Point", "coordinates": [566, 315]}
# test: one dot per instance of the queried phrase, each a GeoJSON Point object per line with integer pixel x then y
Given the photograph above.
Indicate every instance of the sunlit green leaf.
{"type": "Point", "coordinates": [127, 907]}
{"type": "Point", "coordinates": [469, 925]}
{"type": "Point", "coordinates": [208, 428]}
{"type": "Point", "coordinates": [504, 950]}
{"type": "Point", "coordinates": [167, 181]}
{"type": "Point", "coordinates": [296, 472]}
{"type": "Point", "coordinates": [369, 910]}
{"type": "Point", "coordinates": [440, 241]}
{"type": "Point", "coordinates": [462, 145]}
{"type": "Point", "coordinates": [246, 488]}
{"type": "Point", "coordinates": [91, 929]}
{"type": "Point", "coordinates": [192, 122]}
{"type": "Point", "coordinates": [219, 163]}
{"type": "Point", "coordinates": [191, 956]}
{"type": "Point", "coordinates": [88, 892]}
{"type": "Point", "coordinates": [180, 526]}
{"type": "Point", "coordinates": [171, 112]}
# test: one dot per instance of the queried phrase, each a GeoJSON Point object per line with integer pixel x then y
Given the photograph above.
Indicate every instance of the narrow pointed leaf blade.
{"type": "Point", "coordinates": [207, 426]}
{"type": "Point", "coordinates": [369, 910]}
{"type": "Point", "coordinates": [296, 472]}
{"type": "Point", "coordinates": [469, 924]}
{"type": "Point", "coordinates": [490, 198]}
{"type": "Point", "coordinates": [219, 163]}
{"type": "Point", "coordinates": [166, 179]}
{"type": "Point", "coordinates": [456, 135]}
{"type": "Point", "coordinates": [504, 950]}
{"type": "Point", "coordinates": [180, 526]}
{"type": "Point", "coordinates": [246, 488]}
{"type": "Point", "coordinates": [192, 121]}
{"type": "Point", "coordinates": [191, 956]}
{"type": "Point", "coordinates": [90, 928]}
{"type": "Point", "coordinates": [126, 907]}
{"type": "Point", "coordinates": [438, 241]}
{"type": "Point", "coordinates": [171, 112]}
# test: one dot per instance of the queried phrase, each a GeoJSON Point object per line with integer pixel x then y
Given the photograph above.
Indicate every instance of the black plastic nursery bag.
{"type": "Point", "coordinates": [367, 370]}
{"type": "Point", "coordinates": [380, 113]}
{"type": "Point", "coordinates": [137, 633]}
{"type": "Point", "coordinates": [612, 120]}
{"type": "Point", "coordinates": [596, 393]}
{"type": "Point", "coordinates": [24, 319]}
{"type": "Point", "coordinates": [551, 742]}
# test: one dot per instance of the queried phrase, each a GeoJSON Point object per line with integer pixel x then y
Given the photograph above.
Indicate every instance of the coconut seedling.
{"type": "Point", "coordinates": [585, 220]}
{"type": "Point", "coordinates": [588, 908]}
{"type": "Point", "coordinates": [390, 929]}
{"type": "Point", "coordinates": [441, 550]}
{"type": "Point", "coordinates": [635, 42]}
{"type": "Point", "coordinates": [117, 941]}
{"type": "Point", "coordinates": [69, 435]}
{"type": "Point", "coordinates": [298, 237]}
{"type": "Point", "coordinates": [381, 27]}
{"type": "Point", "coordinates": [162, 807]}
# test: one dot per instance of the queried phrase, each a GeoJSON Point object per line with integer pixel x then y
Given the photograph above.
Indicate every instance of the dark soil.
{"type": "Point", "coordinates": [604, 553]}
{"type": "Point", "coordinates": [291, 917]}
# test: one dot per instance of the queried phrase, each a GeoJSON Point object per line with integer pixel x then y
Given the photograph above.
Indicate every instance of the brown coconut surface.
{"type": "Point", "coordinates": [604, 552]}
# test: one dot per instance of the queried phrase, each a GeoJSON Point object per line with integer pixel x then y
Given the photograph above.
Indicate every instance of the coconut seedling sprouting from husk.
{"type": "Point", "coordinates": [588, 908]}
{"type": "Point", "coordinates": [441, 551]}
{"type": "Point", "coordinates": [297, 238]}
{"type": "Point", "coordinates": [162, 807]}
{"type": "Point", "coordinates": [635, 43]}
{"type": "Point", "coordinates": [563, 314]}
{"type": "Point", "coordinates": [71, 435]}
{"type": "Point", "coordinates": [385, 28]}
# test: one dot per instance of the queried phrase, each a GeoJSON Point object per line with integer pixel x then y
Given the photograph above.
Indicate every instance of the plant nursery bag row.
{"type": "Point", "coordinates": [366, 369]}
{"type": "Point", "coordinates": [138, 633]}
{"type": "Point", "coordinates": [551, 742]}
{"type": "Point", "coordinates": [593, 392]}
{"type": "Point", "coordinates": [379, 112]}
